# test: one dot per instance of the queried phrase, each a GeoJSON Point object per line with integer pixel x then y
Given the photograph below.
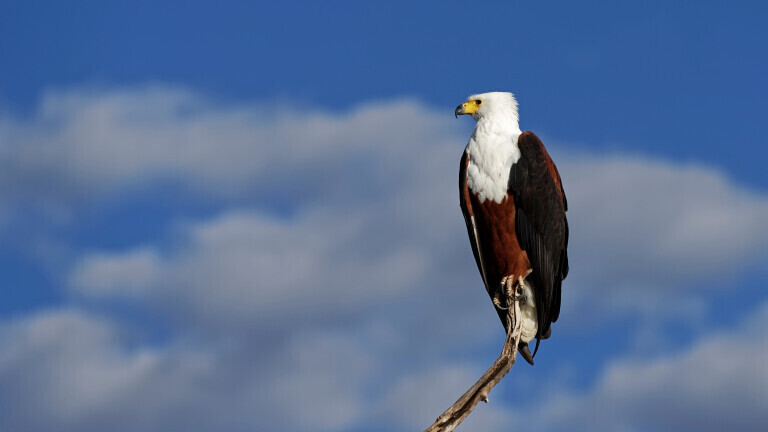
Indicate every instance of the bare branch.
{"type": "Point", "coordinates": [454, 415]}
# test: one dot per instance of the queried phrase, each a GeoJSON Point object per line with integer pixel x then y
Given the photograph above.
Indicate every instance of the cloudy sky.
{"type": "Point", "coordinates": [243, 216]}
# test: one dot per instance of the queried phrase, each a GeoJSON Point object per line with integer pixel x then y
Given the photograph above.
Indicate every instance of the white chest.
{"type": "Point", "coordinates": [490, 158]}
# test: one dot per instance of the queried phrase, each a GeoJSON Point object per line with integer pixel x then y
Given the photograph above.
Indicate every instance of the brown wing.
{"type": "Point", "coordinates": [541, 225]}
{"type": "Point", "coordinates": [469, 217]}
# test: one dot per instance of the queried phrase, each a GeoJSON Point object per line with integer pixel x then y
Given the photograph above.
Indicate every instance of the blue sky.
{"type": "Point", "coordinates": [243, 216]}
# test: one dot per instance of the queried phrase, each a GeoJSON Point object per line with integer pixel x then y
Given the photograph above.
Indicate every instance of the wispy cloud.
{"type": "Point", "coordinates": [363, 295]}
{"type": "Point", "coordinates": [718, 383]}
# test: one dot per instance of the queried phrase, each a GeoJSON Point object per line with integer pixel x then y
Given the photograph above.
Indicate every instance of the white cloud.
{"type": "Point", "coordinates": [378, 216]}
{"type": "Point", "coordinates": [86, 142]}
{"type": "Point", "coordinates": [118, 274]}
{"type": "Point", "coordinates": [57, 367]}
{"type": "Point", "coordinates": [387, 168]}
{"type": "Point", "coordinates": [640, 219]}
{"type": "Point", "coordinates": [70, 370]}
{"type": "Point", "coordinates": [80, 372]}
{"type": "Point", "coordinates": [76, 371]}
{"type": "Point", "coordinates": [654, 238]}
{"type": "Point", "coordinates": [414, 401]}
{"type": "Point", "coordinates": [349, 305]}
{"type": "Point", "coordinates": [250, 268]}
{"type": "Point", "coordinates": [721, 382]}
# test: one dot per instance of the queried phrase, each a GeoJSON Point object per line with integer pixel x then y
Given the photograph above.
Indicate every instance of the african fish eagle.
{"type": "Point", "coordinates": [514, 207]}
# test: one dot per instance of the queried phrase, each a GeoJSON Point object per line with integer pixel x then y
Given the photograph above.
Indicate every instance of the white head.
{"type": "Point", "coordinates": [492, 147]}
{"type": "Point", "coordinates": [498, 106]}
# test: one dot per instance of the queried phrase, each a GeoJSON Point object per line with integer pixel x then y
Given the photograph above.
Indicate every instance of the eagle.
{"type": "Point", "coordinates": [514, 207]}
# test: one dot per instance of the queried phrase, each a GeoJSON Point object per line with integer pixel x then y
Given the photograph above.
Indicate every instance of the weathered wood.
{"type": "Point", "coordinates": [454, 415]}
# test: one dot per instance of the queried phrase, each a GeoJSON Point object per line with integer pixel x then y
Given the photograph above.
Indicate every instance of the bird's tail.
{"type": "Point", "coordinates": [522, 347]}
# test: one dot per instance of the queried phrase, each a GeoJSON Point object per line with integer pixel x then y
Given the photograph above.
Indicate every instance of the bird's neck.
{"type": "Point", "coordinates": [502, 124]}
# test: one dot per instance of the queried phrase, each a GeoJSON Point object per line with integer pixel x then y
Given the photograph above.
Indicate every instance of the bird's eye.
{"type": "Point", "coordinates": [478, 101]}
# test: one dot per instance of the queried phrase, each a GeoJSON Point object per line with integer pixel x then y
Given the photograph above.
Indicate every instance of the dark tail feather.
{"type": "Point", "coordinates": [536, 348]}
{"type": "Point", "coordinates": [525, 352]}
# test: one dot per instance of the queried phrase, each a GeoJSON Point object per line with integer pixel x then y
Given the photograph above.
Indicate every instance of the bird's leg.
{"type": "Point", "coordinates": [506, 286]}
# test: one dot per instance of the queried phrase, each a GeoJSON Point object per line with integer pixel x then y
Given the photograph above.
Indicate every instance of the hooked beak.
{"type": "Point", "coordinates": [459, 111]}
{"type": "Point", "coordinates": [468, 107]}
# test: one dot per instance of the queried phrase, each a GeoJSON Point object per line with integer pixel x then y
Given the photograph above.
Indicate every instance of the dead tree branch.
{"type": "Point", "coordinates": [454, 415]}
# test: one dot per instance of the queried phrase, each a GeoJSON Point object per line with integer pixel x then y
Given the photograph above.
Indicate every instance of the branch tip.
{"type": "Point", "coordinates": [454, 415]}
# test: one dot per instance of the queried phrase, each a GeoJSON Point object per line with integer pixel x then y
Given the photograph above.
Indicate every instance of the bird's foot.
{"type": "Point", "coordinates": [518, 293]}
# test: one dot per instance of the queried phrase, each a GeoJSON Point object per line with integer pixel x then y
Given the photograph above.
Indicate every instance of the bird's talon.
{"type": "Point", "coordinates": [522, 298]}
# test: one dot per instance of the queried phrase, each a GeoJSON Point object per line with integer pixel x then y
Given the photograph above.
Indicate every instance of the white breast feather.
{"type": "Point", "coordinates": [491, 156]}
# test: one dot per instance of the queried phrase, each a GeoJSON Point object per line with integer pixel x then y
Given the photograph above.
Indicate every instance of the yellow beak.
{"type": "Point", "coordinates": [469, 107]}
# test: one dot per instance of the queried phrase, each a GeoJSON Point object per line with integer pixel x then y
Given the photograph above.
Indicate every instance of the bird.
{"type": "Point", "coordinates": [514, 207]}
